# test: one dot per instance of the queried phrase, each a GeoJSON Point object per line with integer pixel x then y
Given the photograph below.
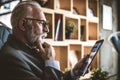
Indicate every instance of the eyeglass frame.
{"type": "Point", "coordinates": [43, 22]}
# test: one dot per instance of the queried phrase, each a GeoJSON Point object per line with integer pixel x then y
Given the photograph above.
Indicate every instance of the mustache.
{"type": "Point", "coordinates": [44, 35]}
{"type": "Point", "coordinates": [40, 38]}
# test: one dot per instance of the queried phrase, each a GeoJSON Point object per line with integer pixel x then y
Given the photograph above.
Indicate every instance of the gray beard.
{"type": "Point", "coordinates": [31, 38]}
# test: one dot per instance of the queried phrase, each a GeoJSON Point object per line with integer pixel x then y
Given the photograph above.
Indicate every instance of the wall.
{"type": "Point", "coordinates": [108, 55]}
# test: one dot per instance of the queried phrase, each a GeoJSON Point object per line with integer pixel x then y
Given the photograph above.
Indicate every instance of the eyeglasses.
{"type": "Point", "coordinates": [43, 22]}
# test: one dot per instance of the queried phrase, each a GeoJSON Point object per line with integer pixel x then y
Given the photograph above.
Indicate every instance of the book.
{"type": "Point", "coordinates": [58, 27]}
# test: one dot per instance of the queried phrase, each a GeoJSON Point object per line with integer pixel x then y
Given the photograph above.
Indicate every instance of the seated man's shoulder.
{"type": "Point", "coordinates": [8, 52]}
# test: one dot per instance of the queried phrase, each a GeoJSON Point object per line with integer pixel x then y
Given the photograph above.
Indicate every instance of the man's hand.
{"type": "Point", "coordinates": [78, 68]}
{"type": "Point", "coordinates": [46, 50]}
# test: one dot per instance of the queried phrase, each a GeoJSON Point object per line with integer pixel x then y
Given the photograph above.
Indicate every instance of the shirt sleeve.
{"type": "Point", "coordinates": [53, 63]}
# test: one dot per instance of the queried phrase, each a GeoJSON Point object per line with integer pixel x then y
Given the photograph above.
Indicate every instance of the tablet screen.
{"type": "Point", "coordinates": [92, 54]}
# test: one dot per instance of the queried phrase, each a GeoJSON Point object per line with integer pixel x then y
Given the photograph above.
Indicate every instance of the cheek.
{"type": "Point", "coordinates": [38, 30]}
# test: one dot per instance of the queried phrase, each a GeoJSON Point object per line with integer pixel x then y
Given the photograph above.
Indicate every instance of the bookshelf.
{"type": "Point", "coordinates": [62, 56]}
{"type": "Point", "coordinates": [72, 20]}
{"type": "Point", "coordinates": [84, 16]}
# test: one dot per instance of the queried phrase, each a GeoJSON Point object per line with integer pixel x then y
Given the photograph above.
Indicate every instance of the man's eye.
{"type": "Point", "coordinates": [44, 23]}
{"type": "Point", "coordinates": [40, 22]}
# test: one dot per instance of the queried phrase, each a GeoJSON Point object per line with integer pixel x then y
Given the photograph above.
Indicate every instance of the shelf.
{"type": "Point", "coordinates": [75, 54]}
{"type": "Point", "coordinates": [60, 4]}
{"type": "Point", "coordinates": [84, 16]}
{"type": "Point", "coordinates": [93, 19]}
{"type": "Point", "coordinates": [93, 31]}
{"type": "Point", "coordinates": [80, 7]}
{"type": "Point", "coordinates": [50, 4]}
{"type": "Point", "coordinates": [93, 5]}
{"type": "Point", "coordinates": [83, 29]}
{"type": "Point", "coordinates": [62, 56]}
{"type": "Point", "coordinates": [72, 23]}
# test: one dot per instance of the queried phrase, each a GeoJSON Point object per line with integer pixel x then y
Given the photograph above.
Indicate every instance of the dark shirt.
{"type": "Point", "coordinates": [21, 62]}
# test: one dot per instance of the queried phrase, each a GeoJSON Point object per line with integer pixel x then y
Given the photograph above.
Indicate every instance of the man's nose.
{"type": "Point", "coordinates": [46, 29]}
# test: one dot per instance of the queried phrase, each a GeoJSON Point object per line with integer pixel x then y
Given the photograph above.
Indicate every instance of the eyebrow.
{"type": "Point", "coordinates": [35, 19]}
{"type": "Point", "coordinates": [44, 22]}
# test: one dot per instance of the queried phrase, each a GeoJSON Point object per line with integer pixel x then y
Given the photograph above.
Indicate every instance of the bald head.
{"type": "Point", "coordinates": [22, 10]}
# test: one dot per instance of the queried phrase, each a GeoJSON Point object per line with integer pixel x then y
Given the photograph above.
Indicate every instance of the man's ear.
{"type": "Point", "coordinates": [22, 25]}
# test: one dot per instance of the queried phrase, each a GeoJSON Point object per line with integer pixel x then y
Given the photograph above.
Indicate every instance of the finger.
{"type": "Point", "coordinates": [43, 52]}
{"type": "Point", "coordinates": [45, 44]}
{"type": "Point", "coordinates": [41, 48]}
{"type": "Point", "coordinates": [85, 58]}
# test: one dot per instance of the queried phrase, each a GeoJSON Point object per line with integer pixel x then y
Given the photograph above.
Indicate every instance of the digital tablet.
{"type": "Point", "coordinates": [92, 54]}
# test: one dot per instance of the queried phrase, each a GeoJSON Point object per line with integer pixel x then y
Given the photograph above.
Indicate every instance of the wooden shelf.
{"type": "Point", "coordinates": [75, 54]}
{"type": "Point", "coordinates": [93, 5]}
{"type": "Point", "coordinates": [84, 15]}
{"type": "Point", "coordinates": [74, 21]}
{"type": "Point", "coordinates": [83, 29]}
{"type": "Point", "coordinates": [62, 56]}
{"type": "Point", "coordinates": [80, 6]}
{"type": "Point", "coordinates": [50, 4]}
{"type": "Point", "coordinates": [65, 5]}
{"type": "Point", "coordinates": [93, 31]}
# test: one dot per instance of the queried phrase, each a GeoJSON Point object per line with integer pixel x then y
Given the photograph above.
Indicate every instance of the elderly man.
{"type": "Point", "coordinates": [25, 55]}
